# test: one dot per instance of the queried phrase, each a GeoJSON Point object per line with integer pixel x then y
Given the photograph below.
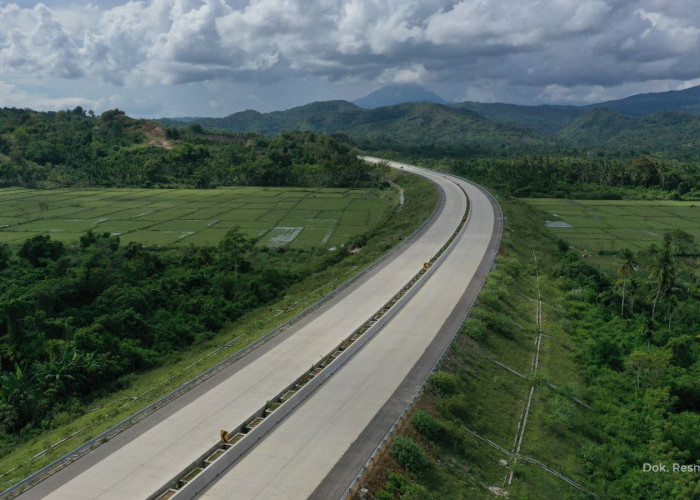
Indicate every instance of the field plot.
{"type": "Point", "coordinates": [298, 218]}
{"type": "Point", "coordinates": [595, 225]}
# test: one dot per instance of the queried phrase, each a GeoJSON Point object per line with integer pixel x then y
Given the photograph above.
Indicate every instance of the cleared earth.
{"type": "Point", "coordinates": [294, 217]}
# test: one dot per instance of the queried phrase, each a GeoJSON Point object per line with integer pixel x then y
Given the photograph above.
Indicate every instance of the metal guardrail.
{"type": "Point", "coordinates": [355, 485]}
{"type": "Point", "coordinates": [194, 479]}
{"type": "Point", "coordinates": [72, 456]}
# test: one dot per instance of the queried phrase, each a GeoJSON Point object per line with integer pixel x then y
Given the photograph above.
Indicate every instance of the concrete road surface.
{"type": "Point", "coordinates": [297, 458]}
{"type": "Point", "coordinates": [145, 457]}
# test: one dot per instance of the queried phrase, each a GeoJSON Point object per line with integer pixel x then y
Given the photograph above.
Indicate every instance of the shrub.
{"type": "Point", "coordinates": [426, 424]}
{"type": "Point", "coordinates": [476, 329]}
{"type": "Point", "coordinates": [444, 382]}
{"type": "Point", "coordinates": [410, 456]}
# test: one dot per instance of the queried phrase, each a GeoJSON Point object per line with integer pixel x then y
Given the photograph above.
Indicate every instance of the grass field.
{"type": "Point", "coordinates": [595, 225]}
{"type": "Point", "coordinates": [295, 217]}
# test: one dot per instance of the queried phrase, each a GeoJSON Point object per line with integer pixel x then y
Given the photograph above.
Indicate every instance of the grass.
{"type": "Point", "coordinates": [608, 226]}
{"type": "Point", "coordinates": [321, 217]}
{"type": "Point", "coordinates": [489, 400]}
{"type": "Point", "coordinates": [141, 389]}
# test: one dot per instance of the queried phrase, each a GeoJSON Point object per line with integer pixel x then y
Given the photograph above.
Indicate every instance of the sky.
{"type": "Point", "coordinates": [169, 58]}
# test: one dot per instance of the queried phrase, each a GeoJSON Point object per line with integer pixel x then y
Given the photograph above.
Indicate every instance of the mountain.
{"type": "Point", "coordinates": [687, 100]}
{"type": "Point", "coordinates": [406, 126]}
{"type": "Point", "coordinates": [546, 119]}
{"type": "Point", "coordinates": [397, 94]}
{"type": "Point", "coordinates": [671, 133]}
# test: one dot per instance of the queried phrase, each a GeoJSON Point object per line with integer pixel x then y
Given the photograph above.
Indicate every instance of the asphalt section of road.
{"type": "Point", "coordinates": [146, 456]}
{"type": "Point", "coordinates": [319, 448]}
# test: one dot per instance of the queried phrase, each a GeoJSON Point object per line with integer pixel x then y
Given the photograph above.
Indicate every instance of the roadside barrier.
{"type": "Point", "coordinates": [87, 447]}
{"type": "Point", "coordinates": [189, 483]}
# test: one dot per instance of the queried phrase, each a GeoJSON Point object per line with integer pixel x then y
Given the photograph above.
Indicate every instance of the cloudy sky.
{"type": "Point", "coordinates": [157, 58]}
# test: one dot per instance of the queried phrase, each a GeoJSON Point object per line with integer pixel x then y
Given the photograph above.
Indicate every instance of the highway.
{"type": "Point", "coordinates": [144, 458]}
{"type": "Point", "coordinates": [296, 460]}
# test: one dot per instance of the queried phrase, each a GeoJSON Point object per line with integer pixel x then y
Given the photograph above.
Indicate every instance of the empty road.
{"type": "Point", "coordinates": [142, 459]}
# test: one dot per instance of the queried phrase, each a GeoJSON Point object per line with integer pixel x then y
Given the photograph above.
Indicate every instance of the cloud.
{"type": "Point", "coordinates": [547, 48]}
{"type": "Point", "coordinates": [11, 96]}
{"type": "Point", "coordinates": [32, 41]}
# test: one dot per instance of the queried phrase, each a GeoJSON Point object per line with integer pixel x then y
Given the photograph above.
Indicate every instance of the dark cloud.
{"type": "Point", "coordinates": [513, 49]}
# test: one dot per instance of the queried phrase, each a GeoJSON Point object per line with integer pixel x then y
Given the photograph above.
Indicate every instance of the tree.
{"type": "Point", "coordinates": [663, 270]}
{"type": "Point", "coordinates": [628, 266]}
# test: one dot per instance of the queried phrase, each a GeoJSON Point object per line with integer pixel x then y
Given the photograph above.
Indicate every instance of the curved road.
{"type": "Point", "coordinates": [140, 461]}
{"type": "Point", "coordinates": [320, 447]}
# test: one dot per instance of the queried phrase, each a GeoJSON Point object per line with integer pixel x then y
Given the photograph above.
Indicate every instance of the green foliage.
{"type": "Point", "coordinates": [476, 329]}
{"type": "Point", "coordinates": [73, 320]}
{"type": "Point", "coordinates": [68, 148]}
{"type": "Point", "coordinates": [426, 424]}
{"type": "Point", "coordinates": [444, 382]}
{"type": "Point", "coordinates": [410, 455]}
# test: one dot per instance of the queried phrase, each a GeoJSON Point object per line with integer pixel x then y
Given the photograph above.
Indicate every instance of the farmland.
{"type": "Point", "coordinates": [296, 217]}
{"type": "Point", "coordinates": [603, 226]}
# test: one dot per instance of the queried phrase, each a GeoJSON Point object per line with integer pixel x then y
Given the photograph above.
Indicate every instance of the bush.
{"type": "Point", "coordinates": [410, 456]}
{"type": "Point", "coordinates": [444, 383]}
{"type": "Point", "coordinates": [426, 424]}
{"type": "Point", "coordinates": [476, 329]}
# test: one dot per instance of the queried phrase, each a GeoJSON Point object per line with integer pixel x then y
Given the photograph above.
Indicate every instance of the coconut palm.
{"type": "Point", "coordinates": [663, 270]}
{"type": "Point", "coordinates": [628, 266]}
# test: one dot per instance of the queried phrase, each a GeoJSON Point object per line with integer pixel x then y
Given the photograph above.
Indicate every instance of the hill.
{"type": "Point", "coordinates": [545, 119]}
{"type": "Point", "coordinates": [405, 127]}
{"type": "Point", "coordinates": [398, 94]}
{"type": "Point", "coordinates": [671, 133]}
{"type": "Point", "coordinates": [687, 100]}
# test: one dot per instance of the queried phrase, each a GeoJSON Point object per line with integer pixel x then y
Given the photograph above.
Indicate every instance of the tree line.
{"type": "Point", "coordinates": [73, 319]}
{"type": "Point", "coordinates": [73, 148]}
{"type": "Point", "coordinates": [586, 177]}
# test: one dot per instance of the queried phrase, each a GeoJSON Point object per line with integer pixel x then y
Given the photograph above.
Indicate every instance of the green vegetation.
{"type": "Point", "coordinates": [76, 319]}
{"type": "Point", "coordinates": [293, 217]}
{"type": "Point", "coordinates": [70, 148]}
{"type": "Point", "coordinates": [314, 273]}
{"type": "Point", "coordinates": [616, 386]}
{"type": "Point", "coordinates": [415, 127]}
{"type": "Point", "coordinates": [489, 130]}
{"type": "Point", "coordinates": [579, 176]}
{"type": "Point", "coordinates": [600, 229]}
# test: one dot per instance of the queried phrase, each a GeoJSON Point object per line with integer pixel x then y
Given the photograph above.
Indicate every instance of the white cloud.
{"type": "Point", "coordinates": [12, 97]}
{"type": "Point", "coordinates": [413, 74]}
{"type": "Point", "coordinates": [524, 47]}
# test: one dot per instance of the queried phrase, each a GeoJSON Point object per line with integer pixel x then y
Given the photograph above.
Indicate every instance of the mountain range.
{"type": "Point", "coordinates": [666, 122]}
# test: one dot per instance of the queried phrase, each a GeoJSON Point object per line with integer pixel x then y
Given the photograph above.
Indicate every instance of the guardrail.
{"type": "Point", "coordinates": [191, 481]}
{"type": "Point", "coordinates": [356, 483]}
{"type": "Point", "coordinates": [72, 456]}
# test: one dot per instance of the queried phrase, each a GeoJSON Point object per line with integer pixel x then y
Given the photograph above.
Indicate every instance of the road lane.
{"type": "Point", "coordinates": [143, 465]}
{"type": "Point", "coordinates": [300, 453]}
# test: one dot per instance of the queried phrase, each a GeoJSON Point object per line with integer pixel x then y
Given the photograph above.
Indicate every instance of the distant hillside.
{"type": "Point", "coordinates": [687, 100]}
{"type": "Point", "coordinates": [545, 119]}
{"type": "Point", "coordinates": [398, 94]}
{"type": "Point", "coordinates": [672, 133]}
{"type": "Point", "coordinates": [408, 126]}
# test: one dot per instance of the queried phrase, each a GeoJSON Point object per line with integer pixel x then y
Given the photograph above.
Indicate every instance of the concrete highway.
{"type": "Point", "coordinates": [142, 459]}
{"type": "Point", "coordinates": [297, 459]}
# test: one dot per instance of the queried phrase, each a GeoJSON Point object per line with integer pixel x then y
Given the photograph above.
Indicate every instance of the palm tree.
{"type": "Point", "coordinates": [628, 266]}
{"type": "Point", "coordinates": [663, 270]}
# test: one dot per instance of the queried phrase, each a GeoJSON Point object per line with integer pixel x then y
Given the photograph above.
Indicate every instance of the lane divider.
{"type": "Point", "coordinates": [73, 455]}
{"type": "Point", "coordinates": [235, 443]}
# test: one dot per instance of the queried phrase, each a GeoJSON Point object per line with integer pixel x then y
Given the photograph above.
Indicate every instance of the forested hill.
{"type": "Point", "coordinates": [69, 148]}
{"type": "Point", "coordinates": [417, 127]}
{"type": "Point", "coordinates": [674, 134]}
{"type": "Point", "coordinates": [476, 129]}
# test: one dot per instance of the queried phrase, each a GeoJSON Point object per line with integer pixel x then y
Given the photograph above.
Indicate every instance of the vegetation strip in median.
{"type": "Point", "coordinates": [290, 397]}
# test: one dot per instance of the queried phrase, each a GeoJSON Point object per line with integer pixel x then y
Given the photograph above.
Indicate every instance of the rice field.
{"type": "Point", "coordinates": [293, 217]}
{"type": "Point", "coordinates": [610, 225]}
